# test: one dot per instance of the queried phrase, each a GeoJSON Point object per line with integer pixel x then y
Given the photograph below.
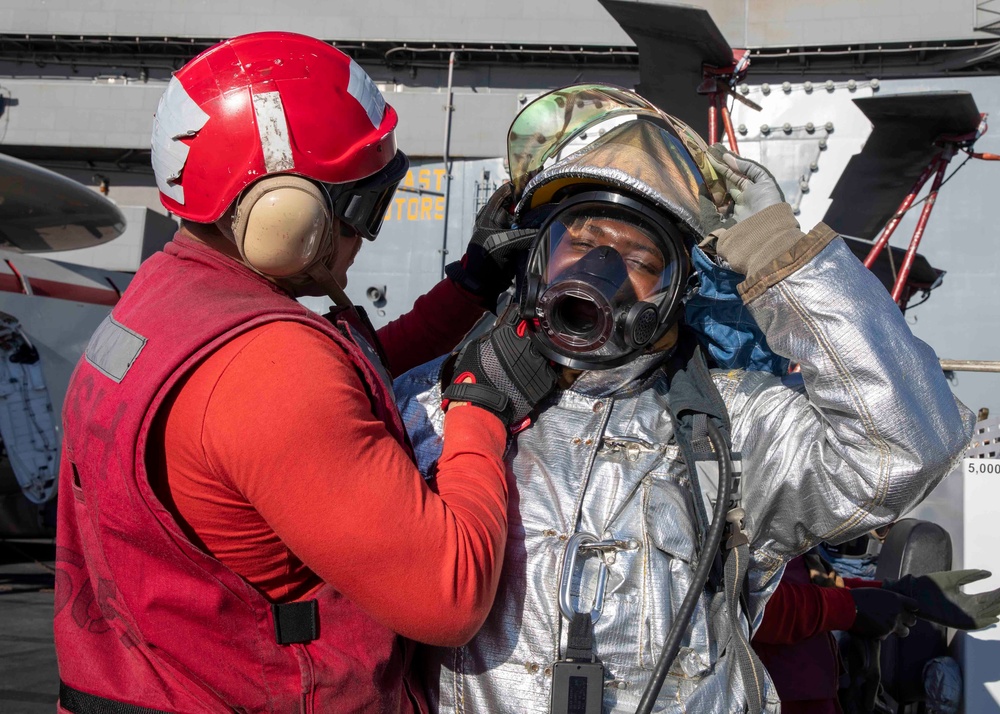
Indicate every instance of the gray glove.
{"type": "Point", "coordinates": [941, 600]}
{"type": "Point", "coordinates": [752, 186]}
{"type": "Point", "coordinates": [765, 231]}
{"type": "Point", "coordinates": [501, 372]}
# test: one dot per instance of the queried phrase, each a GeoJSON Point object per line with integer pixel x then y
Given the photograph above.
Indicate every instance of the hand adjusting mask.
{"type": "Point", "coordinates": [605, 279]}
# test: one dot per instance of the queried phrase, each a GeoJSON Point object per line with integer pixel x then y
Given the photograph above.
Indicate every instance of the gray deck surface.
{"type": "Point", "coordinates": [29, 680]}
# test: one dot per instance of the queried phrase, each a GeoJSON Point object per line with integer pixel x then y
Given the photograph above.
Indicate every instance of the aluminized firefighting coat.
{"type": "Point", "coordinates": [866, 432]}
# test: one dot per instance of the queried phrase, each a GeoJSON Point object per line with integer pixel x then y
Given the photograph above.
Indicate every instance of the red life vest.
{"type": "Point", "coordinates": [142, 615]}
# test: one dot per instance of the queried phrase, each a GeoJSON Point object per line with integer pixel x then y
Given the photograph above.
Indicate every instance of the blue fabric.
{"type": "Point", "coordinates": [943, 685]}
{"type": "Point", "coordinates": [722, 322]}
{"type": "Point", "coordinates": [847, 567]}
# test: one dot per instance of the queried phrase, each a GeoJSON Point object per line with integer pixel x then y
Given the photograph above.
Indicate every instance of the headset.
{"type": "Point", "coordinates": [282, 224]}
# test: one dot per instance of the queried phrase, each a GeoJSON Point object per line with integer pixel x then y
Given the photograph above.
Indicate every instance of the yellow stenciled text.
{"type": "Point", "coordinates": [415, 206]}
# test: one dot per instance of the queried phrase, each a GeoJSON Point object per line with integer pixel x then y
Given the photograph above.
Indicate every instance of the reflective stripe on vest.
{"type": "Point", "coordinates": [113, 348]}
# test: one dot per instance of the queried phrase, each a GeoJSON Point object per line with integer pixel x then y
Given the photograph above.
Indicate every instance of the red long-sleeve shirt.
{"type": "Point", "coordinates": [797, 611]}
{"type": "Point", "coordinates": [273, 462]}
{"type": "Point", "coordinates": [794, 640]}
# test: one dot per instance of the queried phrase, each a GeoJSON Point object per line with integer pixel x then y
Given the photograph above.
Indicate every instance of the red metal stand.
{"type": "Point", "coordinates": [890, 227]}
{"type": "Point", "coordinates": [942, 160]}
{"type": "Point", "coordinates": [719, 83]}
{"type": "Point", "coordinates": [713, 120]}
{"type": "Point", "coordinates": [950, 145]}
{"type": "Point", "coordinates": [727, 122]}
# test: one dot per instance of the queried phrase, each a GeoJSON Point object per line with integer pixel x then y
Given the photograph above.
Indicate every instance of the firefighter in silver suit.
{"type": "Point", "coordinates": [612, 491]}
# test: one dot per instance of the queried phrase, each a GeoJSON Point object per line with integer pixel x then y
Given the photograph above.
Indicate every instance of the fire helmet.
{"type": "Point", "coordinates": [608, 272]}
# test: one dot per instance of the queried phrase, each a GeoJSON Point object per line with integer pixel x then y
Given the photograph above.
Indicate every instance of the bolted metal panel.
{"type": "Point", "coordinates": [80, 113]}
{"type": "Point", "coordinates": [584, 22]}
{"type": "Point", "coordinates": [826, 129]}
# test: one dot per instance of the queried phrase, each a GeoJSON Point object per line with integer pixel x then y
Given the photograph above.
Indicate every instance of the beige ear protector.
{"type": "Point", "coordinates": [282, 225]}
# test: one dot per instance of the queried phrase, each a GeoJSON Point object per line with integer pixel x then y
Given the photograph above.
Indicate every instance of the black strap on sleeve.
{"type": "Point", "coordinates": [296, 622]}
{"type": "Point", "coordinates": [699, 438]}
{"type": "Point", "coordinates": [580, 639]}
{"type": "Point", "coordinates": [77, 702]}
{"type": "Point", "coordinates": [478, 394]}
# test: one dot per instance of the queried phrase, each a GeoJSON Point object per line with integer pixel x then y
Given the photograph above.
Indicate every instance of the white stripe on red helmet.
{"type": "Point", "coordinates": [273, 129]}
{"type": "Point", "coordinates": [177, 116]}
{"type": "Point", "coordinates": [362, 88]}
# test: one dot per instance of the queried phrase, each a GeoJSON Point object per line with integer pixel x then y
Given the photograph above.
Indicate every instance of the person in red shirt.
{"type": "Point", "coordinates": [242, 526]}
{"type": "Point", "coordinates": [794, 639]}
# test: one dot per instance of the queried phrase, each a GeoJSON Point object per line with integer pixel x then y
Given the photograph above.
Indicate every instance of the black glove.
{"type": "Point", "coordinates": [490, 261]}
{"type": "Point", "coordinates": [882, 612]}
{"type": "Point", "coordinates": [509, 376]}
{"type": "Point", "coordinates": [940, 598]}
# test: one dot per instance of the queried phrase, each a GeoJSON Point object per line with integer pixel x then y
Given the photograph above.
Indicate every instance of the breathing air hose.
{"type": "Point", "coordinates": [712, 542]}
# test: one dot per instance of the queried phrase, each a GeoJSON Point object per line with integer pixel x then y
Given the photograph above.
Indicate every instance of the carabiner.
{"type": "Point", "coordinates": [570, 568]}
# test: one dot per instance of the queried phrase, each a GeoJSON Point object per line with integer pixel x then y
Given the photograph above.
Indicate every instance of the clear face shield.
{"type": "Point", "coordinates": [621, 183]}
{"type": "Point", "coordinates": [604, 280]}
{"type": "Point", "coordinates": [562, 119]}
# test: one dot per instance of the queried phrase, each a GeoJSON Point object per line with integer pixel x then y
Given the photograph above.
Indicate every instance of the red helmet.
{"type": "Point", "coordinates": [275, 103]}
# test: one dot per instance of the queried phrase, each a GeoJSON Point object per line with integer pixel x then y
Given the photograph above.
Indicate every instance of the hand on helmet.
{"type": "Point", "coordinates": [752, 186]}
{"type": "Point", "coordinates": [882, 613]}
{"type": "Point", "coordinates": [490, 261]}
{"type": "Point", "coordinates": [941, 600]}
{"type": "Point", "coordinates": [501, 372]}
{"type": "Point", "coordinates": [764, 230]}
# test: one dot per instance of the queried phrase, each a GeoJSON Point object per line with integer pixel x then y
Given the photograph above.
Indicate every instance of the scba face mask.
{"type": "Point", "coordinates": [605, 279]}
{"type": "Point", "coordinates": [649, 179]}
